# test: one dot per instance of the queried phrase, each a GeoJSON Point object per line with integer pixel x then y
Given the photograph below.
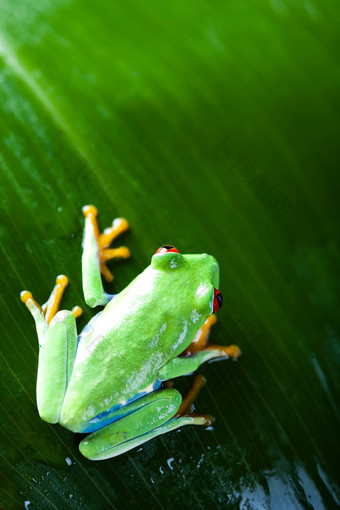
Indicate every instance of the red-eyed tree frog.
{"type": "Point", "coordinates": [110, 380]}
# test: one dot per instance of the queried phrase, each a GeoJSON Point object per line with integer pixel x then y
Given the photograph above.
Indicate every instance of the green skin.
{"type": "Point", "coordinates": [106, 380]}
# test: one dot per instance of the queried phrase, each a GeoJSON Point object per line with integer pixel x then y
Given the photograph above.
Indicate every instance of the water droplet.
{"type": "Point", "coordinates": [169, 461]}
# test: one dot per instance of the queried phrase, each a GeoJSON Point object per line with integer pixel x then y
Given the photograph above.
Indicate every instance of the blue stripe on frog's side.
{"type": "Point", "coordinates": [106, 417]}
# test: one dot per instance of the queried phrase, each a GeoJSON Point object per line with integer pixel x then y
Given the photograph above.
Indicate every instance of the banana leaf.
{"type": "Point", "coordinates": [213, 126]}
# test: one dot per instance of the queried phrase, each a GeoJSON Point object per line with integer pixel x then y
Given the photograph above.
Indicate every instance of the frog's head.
{"type": "Point", "coordinates": [192, 279]}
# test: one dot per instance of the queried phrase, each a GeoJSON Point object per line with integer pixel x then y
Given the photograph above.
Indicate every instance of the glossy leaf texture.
{"type": "Point", "coordinates": [212, 126]}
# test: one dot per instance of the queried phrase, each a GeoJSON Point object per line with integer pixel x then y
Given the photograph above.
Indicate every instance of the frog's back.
{"type": "Point", "coordinates": [150, 322]}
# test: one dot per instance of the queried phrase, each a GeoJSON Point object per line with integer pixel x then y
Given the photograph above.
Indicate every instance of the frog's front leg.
{"type": "Point", "coordinates": [57, 335]}
{"type": "Point", "coordinates": [96, 253]}
{"type": "Point", "coordinates": [197, 353]}
{"type": "Point", "coordinates": [150, 416]}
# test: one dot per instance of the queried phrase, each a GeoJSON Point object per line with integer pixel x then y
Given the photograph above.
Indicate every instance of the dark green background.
{"type": "Point", "coordinates": [214, 126]}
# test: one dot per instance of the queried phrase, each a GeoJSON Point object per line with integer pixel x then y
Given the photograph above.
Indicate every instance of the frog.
{"type": "Point", "coordinates": [114, 380]}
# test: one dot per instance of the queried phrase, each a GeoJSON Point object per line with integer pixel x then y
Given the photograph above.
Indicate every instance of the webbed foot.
{"type": "Point", "coordinates": [49, 309]}
{"type": "Point", "coordinates": [104, 239]}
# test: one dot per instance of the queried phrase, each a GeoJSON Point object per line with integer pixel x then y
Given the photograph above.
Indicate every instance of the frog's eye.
{"type": "Point", "coordinates": [166, 248]}
{"type": "Point", "coordinates": [218, 300]}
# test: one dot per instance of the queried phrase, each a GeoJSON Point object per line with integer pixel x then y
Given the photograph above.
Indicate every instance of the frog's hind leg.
{"type": "Point", "coordinates": [57, 335]}
{"type": "Point", "coordinates": [149, 416]}
{"type": "Point", "coordinates": [96, 253]}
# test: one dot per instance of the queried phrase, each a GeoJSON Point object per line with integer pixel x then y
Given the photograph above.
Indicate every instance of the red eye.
{"type": "Point", "coordinates": [167, 248]}
{"type": "Point", "coordinates": [218, 300]}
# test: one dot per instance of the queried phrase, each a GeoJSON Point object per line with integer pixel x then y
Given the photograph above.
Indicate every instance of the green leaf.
{"type": "Point", "coordinates": [212, 126]}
